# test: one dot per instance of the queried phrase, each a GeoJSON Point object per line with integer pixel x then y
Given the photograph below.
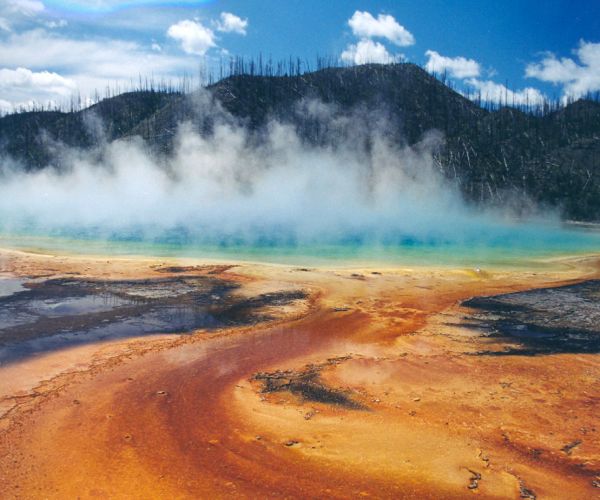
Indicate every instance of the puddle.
{"type": "Point", "coordinates": [10, 286]}
{"type": "Point", "coordinates": [76, 305]}
{"type": "Point", "coordinates": [65, 312]}
{"type": "Point", "coordinates": [10, 318]}
{"type": "Point", "coordinates": [165, 320]}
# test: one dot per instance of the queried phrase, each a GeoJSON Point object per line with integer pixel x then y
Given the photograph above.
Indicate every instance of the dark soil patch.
{"type": "Point", "coordinates": [554, 320]}
{"type": "Point", "coordinates": [308, 385]}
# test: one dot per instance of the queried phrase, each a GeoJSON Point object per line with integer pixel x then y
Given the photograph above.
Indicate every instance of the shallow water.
{"type": "Point", "coordinates": [61, 313]}
{"type": "Point", "coordinates": [10, 286]}
{"type": "Point", "coordinates": [54, 308]}
{"type": "Point", "coordinates": [514, 244]}
{"type": "Point", "coordinates": [170, 319]}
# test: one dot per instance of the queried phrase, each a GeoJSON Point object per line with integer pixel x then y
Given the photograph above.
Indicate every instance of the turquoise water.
{"type": "Point", "coordinates": [503, 245]}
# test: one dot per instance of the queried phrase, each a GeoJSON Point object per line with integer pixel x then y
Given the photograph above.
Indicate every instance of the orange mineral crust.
{"type": "Point", "coordinates": [317, 383]}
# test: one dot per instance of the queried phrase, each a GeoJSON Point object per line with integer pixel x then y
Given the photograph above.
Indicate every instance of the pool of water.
{"type": "Point", "coordinates": [512, 244]}
{"type": "Point", "coordinates": [9, 286]}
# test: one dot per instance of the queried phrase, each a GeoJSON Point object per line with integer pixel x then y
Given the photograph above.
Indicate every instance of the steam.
{"type": "Point", "coordinates": [232, 187]}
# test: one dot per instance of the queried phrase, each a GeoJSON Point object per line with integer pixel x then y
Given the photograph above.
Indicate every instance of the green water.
{"type": "Point", "coordinates": [513, 245]}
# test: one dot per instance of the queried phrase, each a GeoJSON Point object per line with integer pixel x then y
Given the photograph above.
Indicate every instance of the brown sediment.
{"type": "Point", "coordinates": [188, 417]}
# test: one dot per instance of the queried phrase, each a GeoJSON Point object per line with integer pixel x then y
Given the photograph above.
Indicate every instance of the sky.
{"type": "Point", "coordinates": [521, 50]}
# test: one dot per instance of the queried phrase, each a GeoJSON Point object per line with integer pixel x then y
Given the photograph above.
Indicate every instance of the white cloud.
{"type": "Point", "coordinates": [110, 5]}
{"type": "Point", "coordinates": [456, 67]}
{"type": "Point", "coordinates": [4, 24]}
{"type": "Point", "coordinates": [364, 25]}
{"type": "Point", "coordinates": [367, 51]}
{"type": "Point", "coordinates": [230, 23]}
{"type": "Point", "coordinates": [576, 78]}
{"type": "Point", "coordinates": [45, 80]}
{"type": "Point", "coordinates": [92, 64]}
{"type": "Point", "coordinates": [6, 107]}
{"type": "Point", "coordinates": [495, 92]}
{"type": "Point", "coordinates": [26, 7]}
{"type": "Point", "coordinates": [27, 88]}
{"type": "Point", "coordinates": [156, 47]}
{"type": "Point", "coordinates": [107, 58]}
{"type": "Point", "coordinates": [193, 36]}
{"type": "Point", "coordinates": [468, 70]}
{"type": "Point", "coordinates": [62, 23]}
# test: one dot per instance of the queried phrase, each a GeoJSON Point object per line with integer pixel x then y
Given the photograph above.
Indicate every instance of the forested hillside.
{"type": "Point", "coordinates": [550, 156]}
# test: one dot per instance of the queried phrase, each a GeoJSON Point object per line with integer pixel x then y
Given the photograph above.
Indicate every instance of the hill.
{"type": "Point", "coordinates": [494, 156]}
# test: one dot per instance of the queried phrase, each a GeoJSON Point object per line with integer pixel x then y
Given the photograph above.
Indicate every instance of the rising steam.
{"type": "Point", "coordinates": [229, 186]}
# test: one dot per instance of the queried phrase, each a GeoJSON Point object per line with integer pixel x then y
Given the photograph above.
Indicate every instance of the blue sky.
{"type": "Point", "coordinates": [51, 49]}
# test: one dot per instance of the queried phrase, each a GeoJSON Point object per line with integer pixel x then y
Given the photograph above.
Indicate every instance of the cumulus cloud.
{"type": "Point", "coordinates": [29, 88]}
{"type": "Point", "coordinates": [456, 67]}
{"type": "Point", "coordinates": [108, 59]}
{"type": "Point", "coordinates": [576, 78]}
{"type": "Point", "coordinates": [468, 70]}
{"type": "Point", "coordinates": [6, 107]}
{"type": "Point", "coordinates": [93, 63]}
{"type": "Point", "coordinates": [230, 23]}
{"type": "Point", "coordinates": [23, 78]}
{"type": "Point", "coordinates": [110, 5]}
{"type": "Point", "coordinates": [194, 37]}
{"type": "Point", "coordinates": [61, 23]}
{"type": "Point", "coordinates": [364, 25]}
{"type": "Point", "coordinates": [367, 51]}
{"type": "Point", "coordinates": [495, 92]}
{"type": "Point", "coordinates": [26, 7]}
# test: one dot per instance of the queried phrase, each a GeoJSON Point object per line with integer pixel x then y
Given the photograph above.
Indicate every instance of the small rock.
{"type": "Point", "coordinates": [526, 492]}
{"type": "Point", "coordinates": [475, 478]}
{"type": "Point", "coordinates": [568, 448]}
{"type": "Point", "coordinates": [291, 442]}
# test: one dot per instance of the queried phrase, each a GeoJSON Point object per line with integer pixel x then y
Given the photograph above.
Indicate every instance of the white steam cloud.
{"type": "Point", "coordinates": [230, 187]}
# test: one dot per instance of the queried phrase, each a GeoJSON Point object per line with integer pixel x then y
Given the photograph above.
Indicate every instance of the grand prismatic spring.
{"type": "Point", "coordinates": [373, 277]}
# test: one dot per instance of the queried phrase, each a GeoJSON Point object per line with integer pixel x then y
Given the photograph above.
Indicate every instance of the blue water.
{"type": "Point", "coordinates": [513, 244]}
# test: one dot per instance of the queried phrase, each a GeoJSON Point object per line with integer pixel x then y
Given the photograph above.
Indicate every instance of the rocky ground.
{"type": "Point", "coordinates": [336, 383]}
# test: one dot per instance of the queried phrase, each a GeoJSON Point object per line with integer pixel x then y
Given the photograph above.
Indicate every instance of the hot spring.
{"type": "Point", "coordinates": [358, 198]}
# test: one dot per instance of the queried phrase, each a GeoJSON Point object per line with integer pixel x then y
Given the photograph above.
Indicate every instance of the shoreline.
{"type": "Point", "coordinates": [139, 414]}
